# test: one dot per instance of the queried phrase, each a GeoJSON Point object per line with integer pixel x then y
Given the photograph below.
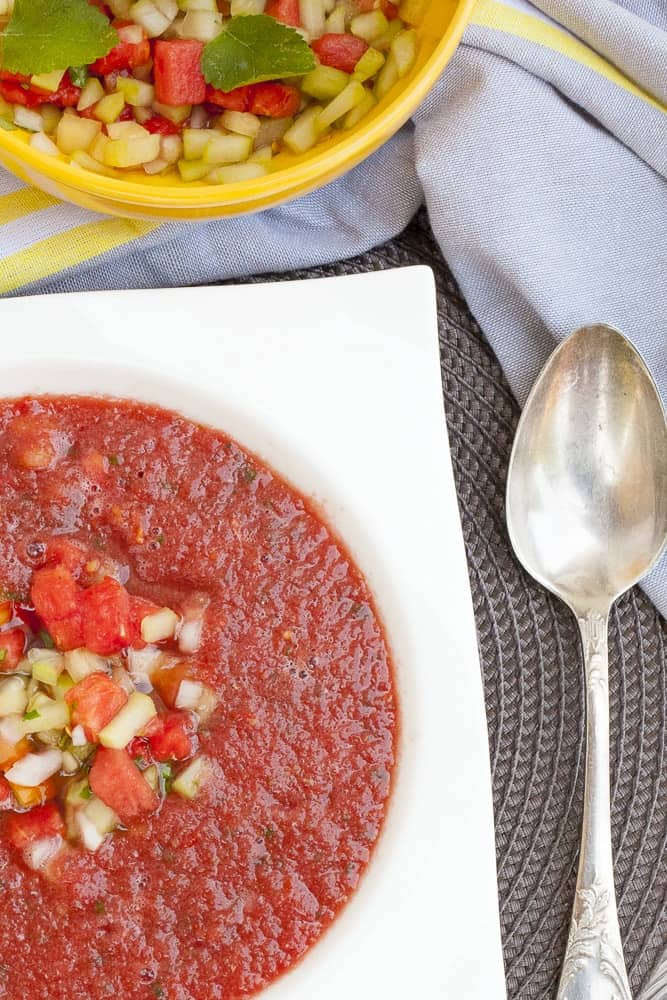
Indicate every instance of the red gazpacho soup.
{"type": "Point", "coordinates": [198, 715]}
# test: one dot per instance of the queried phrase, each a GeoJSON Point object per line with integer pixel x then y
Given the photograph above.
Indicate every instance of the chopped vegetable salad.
{"type": "Point", "coordinates": [212, 89]}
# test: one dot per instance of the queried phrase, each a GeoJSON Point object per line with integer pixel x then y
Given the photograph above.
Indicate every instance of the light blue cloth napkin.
{"type": "Point", "coordinates": [542, 157]}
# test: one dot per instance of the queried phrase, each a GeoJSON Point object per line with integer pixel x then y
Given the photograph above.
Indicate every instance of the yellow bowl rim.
{"type": "Point", "coordinates": [305, 175]}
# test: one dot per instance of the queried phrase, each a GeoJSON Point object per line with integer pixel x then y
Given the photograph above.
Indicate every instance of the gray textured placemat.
{"type": "Point", "coordinates": [533, 681]}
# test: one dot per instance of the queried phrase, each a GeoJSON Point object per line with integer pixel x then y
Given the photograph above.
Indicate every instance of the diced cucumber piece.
{"type": "Point", "coordinates": [51, 115]}
{"type": "Point", "coordinates": [404, 50]}
{"type": "Point", "coordinates": [241, 122]}
{"type": "Point", "coordinates": [195, 141]}
{"type": "Point", "coordinates": [369, 26]}
{"type": "Point", "coordinates": [162, 624]}
{"type": "Point", "coordinates": [353, 95]}
{"type": "Point", "coordinates": [135, 92]}
{"type": "Point", "coordinates": [193, 170]}
{"type": "Point", "coordinates": [189, 782]}
{"type": "Point", "coordinates": [204, 25]}
{"type": "Point", "coordinates": [13, 696]}
{"type": "Point", "coordinates": [87, 162]}
{"type": "Point", "coordinates": [101, 816]}
{"type": "Point", "coordinates": [413, 11]}
{"type": "Point", "coordinates": [221, 150]}
{"type": "Point", "coordinates": [48, 81]}
{"type": "Point", "coordinates": [132, 718]}
{"type": "Point", "coordinates": [126, 130]}
{"type": "Point", "coordinates": [383, 41]}
{"type": "Point", "coordinates": [109, 108]}
{"type": "Point", "coordinates": [152, 776]}
{"type": "Point", "coordinates": [27, 118]}
{"type": "Point", "coordinates": [48, 671]}
{"type": "Point", "coordinates": [176, 115]}
{"type": "Point", "coordinates": [43, 713]}
{"type": "Point", "coordinates": [306, 131]}
{"type": "Point", "coordinates": [313, 16]}
{"type": "Point", "coordinates": [324, 83]}
{"type": "Point", "coordinates": [133, 152]}
{"type": "Point", "coordinates": [370, 63]}
{"type": "Point", "coordinates": [120, 8]}
{"type": "Point", "coordinates": [78, 792]}
{"type": "Point", "coordinates": [263, 156]}
{"type": "Point", "coordinates": [335, 23]}
{"type": "Point", "coordinates": [237, 172]}
{"type": "Point", "coordinates": [354, 116]}
{"type": "Point", "coordinates": [198, 5]}
{"type": "Point", "coordinates": [81, 662]}
{"type": "Point", "coordinates": [92, 92]}
{"type": "Point", "coordinates": [247, 7]}
{"type": "Point", "coordinates": [387, 78]}
{"type": "Point", "coordinates": [148, 14]}
{"type": "Point", "coordinates": [63, 685]}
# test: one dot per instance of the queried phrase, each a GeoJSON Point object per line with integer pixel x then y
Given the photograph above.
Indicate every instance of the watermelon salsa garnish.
{"type": "Point", "coordinates": [100, 706]}
{"type": "Point", "coordinates": [210, 89]}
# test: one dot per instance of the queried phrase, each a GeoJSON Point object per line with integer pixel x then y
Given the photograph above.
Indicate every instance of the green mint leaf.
{"type": "Point", "coordinates": [253, 48]}
{"type": "Point", "coordinates": [45, 35]}
{"type": "Point", "coordinates": [78, 75]}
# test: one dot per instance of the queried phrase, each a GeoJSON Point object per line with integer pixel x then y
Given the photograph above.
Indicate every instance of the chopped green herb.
{"type": "Point", "coordinates": [255, 47]}
{"type": "Point", "coordinates": [86, 792]}
{"type": "Point", "coordinates": [78, 75]}
{"type": "Point", "coordinates": [158, 990]}
{"type": "Point", "coordinates": [114, 460]}
{"type": "Point", "coordinates": [269, 833]}
{"type": "Point", "coordinates": [46, 639]}
{"type": "Point", "coordinates": [31, 715]}
{"type": "Point", "coordinates": [100, 907]}
{"type": "Point", "coordinates": [43, 36]}
{"type": "Point", "coordinates": [3, 655]}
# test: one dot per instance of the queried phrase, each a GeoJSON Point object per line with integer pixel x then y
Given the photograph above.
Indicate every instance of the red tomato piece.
{"type": "Point", "coordinates": [139, 608]}
{"type": "Point", "coordinates": [125, 55]}
{"type": "Point", "coordinates": [94, 702]}
{"type": "Point", "coordinates": [175, 739]}
{"type": "Point", "coordinates": [286, 11]}
{"type": "Point", "coordinates": [56, 598]}
{"type": "Point", "coordinates": [177, 69]}
{"type": "Point", "coordinates": [16, 89]}
{"type": "Point", "coordinates": [30, 437]}
{"type": "Point", "coordinates": [67, 95]}
{"type": "Point", "coordinates": [340, 51]}
{"type": "Point", "coordinates": [5, 793]}
{"type": "Point", "coordinates": [66, 553]}
{"type": "Point", "coordinates": [274, 100]}
{"type": "Point", "coordinates": [105, 609]}
{"type": "Point", "coordinates": [230, 100]}
{"type": "Point", "coordinates": [115, 778]}
{"type": "Point", "coordinates": [23, 829]}
{"type": "Point", "coordinates": [12, 644]}
{"type": "Point", "coordinates": [159, 125]}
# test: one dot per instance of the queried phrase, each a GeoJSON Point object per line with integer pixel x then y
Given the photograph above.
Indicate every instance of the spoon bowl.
{"type": "Point", "coordinates": [587, 517]}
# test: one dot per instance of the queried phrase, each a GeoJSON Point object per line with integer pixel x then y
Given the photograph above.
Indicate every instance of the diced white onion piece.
{"type": "Point", "coordinates": [150, 17]}
{"type": "Point", "coordinates": [44, 713]}
{"type": "Point", "coordinates": [189, 636]}
{"type": "Point", "coordinates": [79, 737]}
{"type": "Point", "coordinates": [25, 118]}
{"type": "Point", "coordinates": [189, 694]}
{"type": "Point", "coordinates": [70, 763]}
{"type": "Point", "coordinates": [35, 768]}
{"type": "Point", "coordinates": [132, 718]}
{"type": "Point", "coordinates": [11, 729]}
{"type": "Point", "coordinates": [91, 838]}
{"type": "Point", "coordinates": [38, 654]}
{"type": "Point", "coordinates": [159, 626]}
{"type": "Point", "coordinates": [120, 676]}
{"type": "Point", "coordinates": [313, 17]}
{"type": "Point", "coordinates": [189, 782]}
{"type": "Point", "coordinates": [43, 144]}
{"type": "Point", "coordinates": [38, 854]}
{"type": "Point", "coordinates": [13, 696]}
{"type": "Point", "coordinates": [144, 661]}
{"type": "Point", "coordinates": [155, 167]}
{"type": "Point", "coordinates": [92, 92]}
{"type": "Point", "coordinates": [171, 148]}
{"type": "Point", "coordinates": [79, 663]}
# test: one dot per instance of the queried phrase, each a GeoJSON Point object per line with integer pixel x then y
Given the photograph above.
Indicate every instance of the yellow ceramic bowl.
{"type": "Point", "coordinates": [143, 197]}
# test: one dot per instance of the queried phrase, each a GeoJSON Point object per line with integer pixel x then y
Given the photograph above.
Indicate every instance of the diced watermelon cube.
{"type": "Point", "coordinates": [177, 69]}
{"type": "Point", "coordinates": [94, 702]}
{"type": "Point", "coordinates": [24, 829]}
{"type": "Point", "coordinates": [12, 644]}
{"type": "Point", "coordinates": [340, 51]}
{"type": "Point", "coordinates": [176, 739]}
{"type": "Point", "coordinates": [286, 11]}
{"type": "Point", "coordinates": [105, 616]}
{"type": "Point", "coordinates": [115, 778]}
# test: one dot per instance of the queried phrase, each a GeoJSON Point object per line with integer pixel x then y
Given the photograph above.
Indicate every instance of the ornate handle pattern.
{"type": "Point", "coordinates": [594, 968]}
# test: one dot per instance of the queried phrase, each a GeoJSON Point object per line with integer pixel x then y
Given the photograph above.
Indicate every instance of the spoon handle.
{"type": "Point", "coordinates": [594, 968]}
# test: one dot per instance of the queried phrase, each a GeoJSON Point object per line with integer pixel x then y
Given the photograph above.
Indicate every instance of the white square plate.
{"type": "Point", "coordinates": [336, 383]}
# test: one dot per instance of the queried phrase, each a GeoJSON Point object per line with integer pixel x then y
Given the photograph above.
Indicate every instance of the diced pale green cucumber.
{"type": "Point", "coordinates": [70, 763]}
{"type": "Point", "coordinates": [150, 17]}
{"type": "Point", "coordinates": [81, 662]}
{"type": "Point", "coordinates": [237, 172]}
{"type": "Point", "coordinates": [263, 156]}
{"type": "Point", "coordinates": [189, 782]}
{"type": "Point", "coordinates": [404, 50]}
{"type": "Point", "coordinates": [222, 149]}
{"type": "Point", "coordinates": [383, 41]}
{"type": "Point", "coordinates": [42, 143]}
{"type": "Point", "coordinates": [132, 718]}
{"type": "Point", "coordinates": [47, 671]}
{"type": "Point", "coordinates": [48, 81]}
{"type": "Point", "coordinates": [43, 713]}
{"type": "Point", "coordinates": [103, 818]}
{"type": "Point", "coordinates": [313, 16]}
{"type": "Point", "coordinates": [120, 8]}
{"type": "Point", "coordinates": [387, 78]}
{"type": "Point", "coordinates": [193, 170]}
{"type": "Point", "coordinates": [92, 92]}
{"type": "Point", "coordinates": [324, 83]}
{"type": "Point", "coordinates": [335, 23]}
{"type": "Point", "coordinates": [241, 122]}
{"type": "Point", "coordinates": [204, 25]}
{"type": "Point", "coordinates": [162, 624]}
{"type": "Point", "coordinates": [369, 26]}
{"type": "Point", "coordinates": [98, 147]}
{"type": "Point", "coordinates": [152, 776]}
{"type": "Point", "coordinates": [176, 115]}
{"type": "Point", "coordinates": [135, 92]}
{"type": "Point", "coordinates": [126, 130]}
{"type": "Point", "coordinates": [27, 118]}
{"type": "Point", "coordinates": [247, 7]}
{"type": "Point", "coordinates": [305, 132]}
{"type": "Point", "coordinates": [13, 696]}
{"type": "Point", "coordinates": [197, 4]}
{"type": "Point", "coordinates": [109, 108]}
{"type": "Point", "coordinates": [370, 63]}
{"type": "Point", "coordinates": [413, 11]}
{"type": "Point", "coordinates": [354, 116]}
{"type": "Point", "coordinates": [78, 792]}
{"type": "Point", "coordinates": [353, 95]}
{"type": "Point", "coordinates": [87, 162]}
{"type": "Point", "coordinates": [195, 141]}
{"type": "Point", "coordinates": [60, 689]}
{"type": "Point", "coordinates": [133, 152]}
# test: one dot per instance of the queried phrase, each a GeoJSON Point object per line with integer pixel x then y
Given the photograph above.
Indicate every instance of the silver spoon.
{"type": "Point", "coordinates": [587, 516]}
